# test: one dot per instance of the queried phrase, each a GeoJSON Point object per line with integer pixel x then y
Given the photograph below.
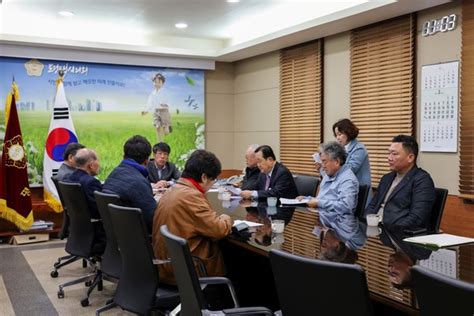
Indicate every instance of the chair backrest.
{"type": "Point", "coordinates": [65, 226]}
{"type": "Point", "coordinates": [362, 200]}
{"type": "Point", "coordinates": [192, 298]}
{"type": "Point", "coordinates": [138, 283]}
{"type": "Point", "coordinates": [310, 286]}
{"type": "Point", "coordinates": [81, 231]}
{"type": "Point", "coordinates": [438, 208]}
{"type": "Point", "coordinates": [440, 295]}
{"type": "Point", "coordinates": [306, 185]}
{"type": "Point", "coordinates": [111, 260]}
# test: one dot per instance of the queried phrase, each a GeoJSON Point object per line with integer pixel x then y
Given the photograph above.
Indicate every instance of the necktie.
{"type": "Point", "coordinates": [267, 182]}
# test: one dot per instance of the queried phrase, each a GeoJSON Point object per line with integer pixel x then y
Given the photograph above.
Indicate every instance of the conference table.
{"type": "Point", "coordinates": [385, 257]}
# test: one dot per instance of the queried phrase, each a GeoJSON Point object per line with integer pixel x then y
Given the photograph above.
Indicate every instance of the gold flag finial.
{"type": "Point", "coordinates": [60, 77]}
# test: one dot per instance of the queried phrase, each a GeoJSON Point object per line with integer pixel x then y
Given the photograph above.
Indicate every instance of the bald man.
{"type": "Point", "coordinates": [87, 167]}
{"type": "Point", "coordinates": [251, 170]}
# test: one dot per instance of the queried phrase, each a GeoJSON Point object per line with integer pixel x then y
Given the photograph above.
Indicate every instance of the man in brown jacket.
{"type": "Point", "coordinates": [188, 214]}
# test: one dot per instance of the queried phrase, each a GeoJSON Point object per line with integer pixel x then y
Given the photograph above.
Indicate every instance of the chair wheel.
{"type": "Point", "coordinates": [88, 283]}
{"type": "Point", "coordinates": [54, 274]}
{"type": "Point", "coordinates": [60, 294]}
{"type": "Point", "coordinates": [85, 302]}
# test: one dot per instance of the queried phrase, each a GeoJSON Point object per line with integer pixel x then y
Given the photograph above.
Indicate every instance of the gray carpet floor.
{"type": "Point", "coordinates": [26, 287]}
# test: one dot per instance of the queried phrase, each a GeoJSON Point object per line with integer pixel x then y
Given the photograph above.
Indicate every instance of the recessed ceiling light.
{"type": "Point", "coordinates": [233, 1]}
{"type": "Point", "coordinates": [66, 13]}
{"type": "Point", "coordinates": [181, 25]}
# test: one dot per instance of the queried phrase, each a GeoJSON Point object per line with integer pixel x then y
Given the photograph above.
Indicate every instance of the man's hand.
{"type": "Point", "coordinates": [317, 166]}
{"type": "Point", "coordinates": [247, 194]}
{"type": "Point", "coordinates": [226, 218]}
{"type": "Point", "coordinates": [313, 203]}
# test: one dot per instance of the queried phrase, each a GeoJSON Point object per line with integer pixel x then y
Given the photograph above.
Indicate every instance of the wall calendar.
{"type": "Point", "coordinates": [439, 107]}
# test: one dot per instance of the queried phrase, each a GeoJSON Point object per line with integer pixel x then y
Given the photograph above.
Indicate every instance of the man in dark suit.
{"type": "Point", "coordinates": [405, 196]}
{"type": "Point", "coordinates": [87, 167]}
{"type": "Point", "coordinates": [274, 179]}
{"type": "Point", "coordinates": [161, 172]}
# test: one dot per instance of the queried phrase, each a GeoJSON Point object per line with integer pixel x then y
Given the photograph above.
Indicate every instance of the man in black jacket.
{"type": "Point", "coordinates": [161, 172]}
{"type": "Point", "coordinates": [274, 179]}
{"type": "Point", "coordinates": [405, 196]}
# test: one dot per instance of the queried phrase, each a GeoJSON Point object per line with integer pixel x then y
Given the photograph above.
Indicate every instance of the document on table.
{"type": "Point", "coordinates": [439, 240]}
{"type": "Point", "coordinates": [294, 201]}
{"type": "Point", "coordinates": [233, 190]}
{"type": "Point", "coordinates": [249, 223]}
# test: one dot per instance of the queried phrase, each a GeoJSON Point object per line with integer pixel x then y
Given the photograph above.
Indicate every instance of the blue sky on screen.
{"type": "Point", "coordinates": [116, 87]}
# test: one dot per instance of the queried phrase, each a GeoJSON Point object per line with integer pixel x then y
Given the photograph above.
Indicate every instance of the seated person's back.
{"type": "Point", "coordinates": [87, 167]}
{"type": "Point", "coordinates": [129, 178]}
{"type": "Point", "coordinates": [188, 214]}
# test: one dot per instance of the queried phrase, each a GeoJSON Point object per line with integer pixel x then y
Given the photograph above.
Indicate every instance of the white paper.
{"type": "Point", "coordinates": [233, 190]}
{"type": "Point", "coordinates": [439, 240]}
{"type": "Point", "coordinates": [294, 201]}
{"type": "Point", "coordinates": [439, 107]}
{"type": "Point", "coordinates": [249, 224]}
{"type": "Point", "coordinates": [316, 158]}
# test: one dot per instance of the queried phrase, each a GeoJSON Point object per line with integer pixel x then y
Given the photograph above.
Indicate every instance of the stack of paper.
{"type": "Point", "coordinates": [439, 240]}
{"type": "Point", "coordinates": [38, 225]}
{"type": "Point", "coordinates": [294, 201]}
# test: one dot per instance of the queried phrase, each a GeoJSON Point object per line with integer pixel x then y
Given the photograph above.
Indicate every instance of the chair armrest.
{"type": "Point", "coordinates": [248, 311]}
{"type": "Point", "coordinates": [220, 280]}
{"type": "Point", "coordinates": [160, 261]}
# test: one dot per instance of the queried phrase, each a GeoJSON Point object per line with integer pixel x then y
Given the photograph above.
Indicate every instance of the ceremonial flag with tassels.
{"type": "Point", "coordinates": [61, 133]}
{"type": "Point", "coordinates": [15, 194]}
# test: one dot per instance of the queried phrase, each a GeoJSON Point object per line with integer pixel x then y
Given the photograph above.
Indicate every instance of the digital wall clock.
{"type": "Point", "coordinates": [445, 24]}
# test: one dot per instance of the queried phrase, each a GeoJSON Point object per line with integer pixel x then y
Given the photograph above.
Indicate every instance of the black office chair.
{"type": "Point", "coordinates": [111, 264]}
{"type": "Point", "coordinates": [441, 295]}
{"type": "Point", "coordinates": [80, 242]}
{"type": "Point", "coordinates": [315, 287]}
{"type": "Point", "coordinates": [137, 290]}
{"type": "Point", "coordinates": [438, 208]}
{"type": "Point", "coordinates": [63, 234]}
{"type": "Point", "coordinates": [436, 215]}
{"type": "Point", "coordinates": [306, 185]}
{"type": "Point", "coordinates": [362, 200]}
{"type": "Point", "coordinates": [190, 286]}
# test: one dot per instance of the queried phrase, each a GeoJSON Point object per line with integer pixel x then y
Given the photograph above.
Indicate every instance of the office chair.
{"type": "Point", "coordinates": [111, 263]}
{"type": "Point", "coordinates": [80, 242]}
{"type": "Point", "coordinates": [190, 286]}
{"type": "Point", "coordinates": [438, 208]}
{"type": "Point", "coordinates": [63, 234]}
{"type": "Point", "coordinates": [362, 200]}
{"type": "Point", "coordinates": [306, 185]}
{"type": "Point", "coordinates": [315, 287]}
{"type": "Point", "coordinates": [138, 290]}
{"type": "Point", "coordinates": [441, 295]}
{"type": "Point", "coordinates": [436, 215]}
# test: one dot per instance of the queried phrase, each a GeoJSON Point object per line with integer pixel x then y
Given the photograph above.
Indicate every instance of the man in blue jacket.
{"type": "Point", "coordinates": [405, 196]}
{"type": "Point", "coordinates": [130, 178]}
